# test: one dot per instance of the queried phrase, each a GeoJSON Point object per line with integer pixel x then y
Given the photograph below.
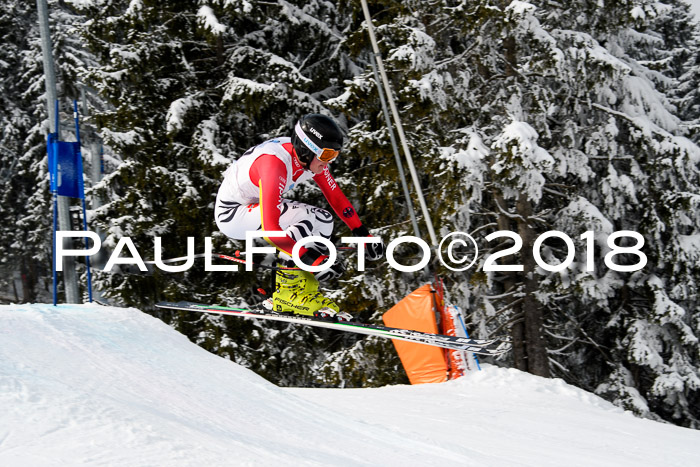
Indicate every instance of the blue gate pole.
{"type": "Point", "coordinates": [464, 327]}
{"type": "Point", "coordinates": [54, 191]}
{"type": "Point", "coordinates": [54, 194]}
{"type": "Point", "coordinates": [82, 195]}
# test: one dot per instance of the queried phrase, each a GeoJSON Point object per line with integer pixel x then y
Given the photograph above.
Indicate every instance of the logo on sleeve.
{"type": "Point", "coordinates": [329, 179]}
{"type": "Point", "coordinates": [348, 212]}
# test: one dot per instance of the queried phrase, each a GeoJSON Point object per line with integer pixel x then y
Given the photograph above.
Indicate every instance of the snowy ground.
{"type": "Point", "coordinates": [90, 385]}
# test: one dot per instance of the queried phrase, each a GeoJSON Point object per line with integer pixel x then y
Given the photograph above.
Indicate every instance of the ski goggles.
{"type": "Point", "coordinates": [322, 154]}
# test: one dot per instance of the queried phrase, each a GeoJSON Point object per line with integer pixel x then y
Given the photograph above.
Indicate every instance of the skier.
{"type": "Point", "coordinates": [250, 198]}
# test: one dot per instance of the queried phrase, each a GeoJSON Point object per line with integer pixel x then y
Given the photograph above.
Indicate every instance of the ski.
{"type": "Point", "coordinates": [477, 346]}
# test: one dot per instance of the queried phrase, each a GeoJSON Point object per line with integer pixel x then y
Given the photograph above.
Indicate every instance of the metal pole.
{"type": "Point", "coordinates": [82, 193]}
{"type": "Point", "coordinates": [95, 153]}
{"type": "Point", "coordinates": [397, 156]}
{"type": "Point", "coordinates": [399, 126]}
{"type": "Point", "coordinates": [96, 171]}
{"type": "Point", "coordinates": [70, 281]}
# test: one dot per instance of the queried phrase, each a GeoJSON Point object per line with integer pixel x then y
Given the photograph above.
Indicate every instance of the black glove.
{"type": "Point", "coordinates": [373, 251]}
{"type": "Point", "coordinates": [315, 258]}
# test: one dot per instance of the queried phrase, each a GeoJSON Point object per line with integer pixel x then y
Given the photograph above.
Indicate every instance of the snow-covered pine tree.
{"type": "Point", "coordinates": [422, 49]}
{"type": "Point", "coordinates": [655, 314]}
{"type": "Point", "coordinates": [193, 85]}
{"type": "Point", "coordinates": [412, 39]}
{"type": "Point", "coordinates": [19, 160]}
{"type": "Point", "coordinates": [594, 144]}
{"type": "Point", "coordinates": [161, 186]}
{"type": "Point", "coordinates": [646, 181]}
{"type": "Point", "coordinates": [522, 116]}
{"type": "Point", "coordinates": [428, 50]}
{"type": "Point", "coordinates": [317, 67]}
{"type": "Point", "coordinates": [687, 70]}
{"type": "Point", "coordinates": [25, 247]}
{"type": "Point", "coordinates": [557, 117]}
{"type": "Point", "coordinates": [273, 79]}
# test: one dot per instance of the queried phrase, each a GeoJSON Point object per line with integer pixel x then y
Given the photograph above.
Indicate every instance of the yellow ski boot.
{"type": "Point", "coordinates": [296, 291]}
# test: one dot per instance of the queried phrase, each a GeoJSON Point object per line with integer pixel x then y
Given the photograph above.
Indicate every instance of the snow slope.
{"type": "Point", "coordinates": [92, 385]}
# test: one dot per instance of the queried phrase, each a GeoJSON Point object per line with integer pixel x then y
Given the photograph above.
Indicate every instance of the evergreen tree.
{"type": "Point", "coordinates": [687, 70]}
{"type": "Point", "coordinates": [16, 121]}
{"type": "Point", "coordinates": [26, 240]}
{"type": "Point", "coordinates": [522, 117]}
{"type": "Point", "coordinates": [558, 118]}
{"type": "Point", "coordinates": [192, 86]}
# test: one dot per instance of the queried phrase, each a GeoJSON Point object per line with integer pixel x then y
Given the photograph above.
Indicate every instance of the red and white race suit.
{"type": "Point", "coordinates": [250, 197]}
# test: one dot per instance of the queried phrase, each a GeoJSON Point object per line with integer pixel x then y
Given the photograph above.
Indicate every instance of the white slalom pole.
{"type": "Point", "coordinates": [399, 127]}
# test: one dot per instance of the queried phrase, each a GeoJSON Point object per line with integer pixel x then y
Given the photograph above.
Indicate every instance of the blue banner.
{"type": "Point", "coordinates": [65, 168]}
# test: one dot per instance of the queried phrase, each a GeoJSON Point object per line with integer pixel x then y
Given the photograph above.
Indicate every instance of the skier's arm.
{"type": "Point", "coordinates": [344, 210]}
{"type": "Point", "coordinates": [270, 175]}
{"type": "Point", "coordinates": [338, 201]}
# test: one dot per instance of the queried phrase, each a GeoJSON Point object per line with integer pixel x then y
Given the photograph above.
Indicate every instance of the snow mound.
{"type": "Point", "coordinates": [93, 385]}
